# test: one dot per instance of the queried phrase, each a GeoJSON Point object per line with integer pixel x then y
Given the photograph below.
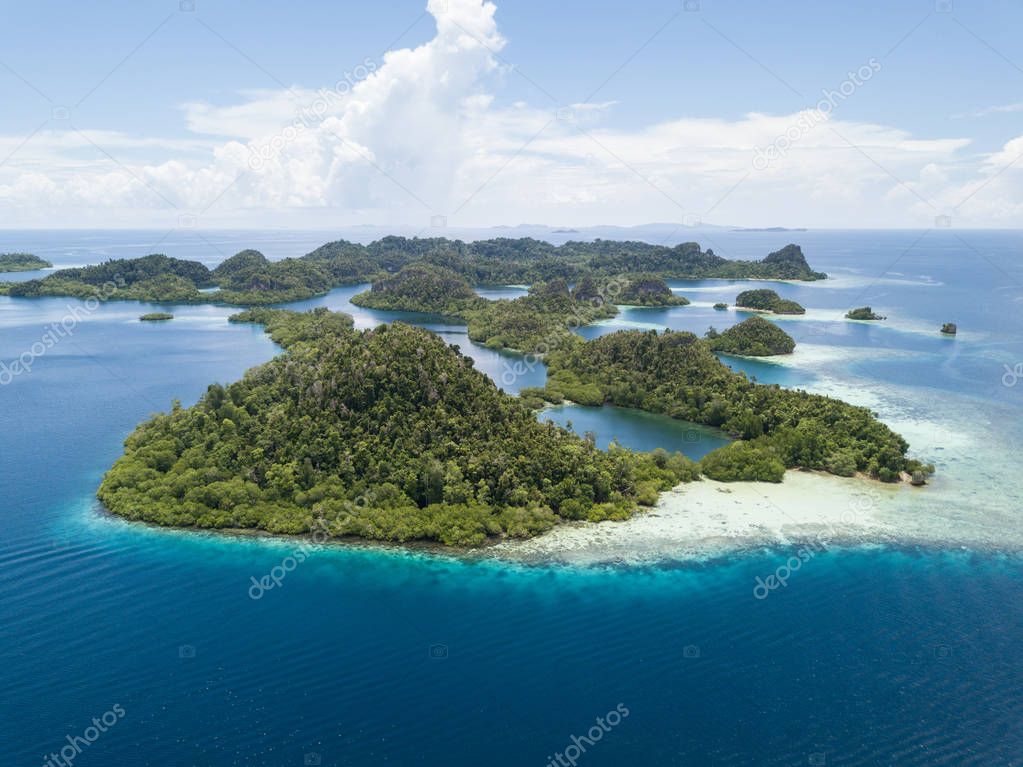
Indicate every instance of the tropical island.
{"type": "Point", "coordinates": [386, 434]}
{"type": "Point", "coordinates": [534, 323]}
{"type": "Point", "coordinates": [155, 278]}
{"type": "Point", "coordinates": [22, 262]}
{"type": "Point", "coordinates": [766, 300]}
{"type": "Point", "coordinates": [754, 337]}
{"type": "Point", "coordinates": [422, 288]}
{"type": "Point", "coordinates": [156, 317]}
{"type": "Point", "coordinates": [644, 290]}
{"type": "Point", "coordinates": [677, 374]}
{"type": "Point", "coordinates": [863, 313]}
{"type": "Point", "coordinates": [720, 306]}
{"type": "Point", "coordinates": [249, 278]}
{"type": "Point", "coordinates": [391, 434]}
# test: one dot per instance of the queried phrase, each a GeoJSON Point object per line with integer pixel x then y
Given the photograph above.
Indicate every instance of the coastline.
{"type": "Point", "coordinates": [702, 521]}
{"type": "Point", "coordinates": [739, 516]}
{"type": "Point", "coordinates": [692, 523]}
{"type": "Point", "coordinates": [206, 297]}
{"type": "Point", "coordinates": [707, 519]}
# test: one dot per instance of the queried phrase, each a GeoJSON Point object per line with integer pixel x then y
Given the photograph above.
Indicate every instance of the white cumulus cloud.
{"type": "Point", "coordinates": [423, 132]}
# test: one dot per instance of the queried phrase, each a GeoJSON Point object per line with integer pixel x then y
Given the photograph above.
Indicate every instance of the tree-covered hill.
{"type": "Point", "coordinates": [22, 262]}
{"type": "Point", "coordinates": [790, 258]}
{"type": "Point", "coordinates": [248, 278]}
{"type": "Point", "coordinates": [863, 313]}
{"type": "Point", "coordinates": [132, 271]}
{"type": "Point", "coordinates": [150, 278]}
{"type": "Point", "coordinates": [767, 300]}
{"type": "Point", "coordinates": [754, 337]}
{"type": "Point", "coordinates": [538, 322]}
{"type": "Point", "coordinates": [677, 374]}
{"type": "Point", "coordinates": [241, 266]}
{"type": "Point", "coordinates": [687, 260]}
{"type": "Point", "coordinates": [387, 434]}
{"type": "Point", "coordinates": [627, 289]}
{"type": "Point", "coordinates": [420, 288]}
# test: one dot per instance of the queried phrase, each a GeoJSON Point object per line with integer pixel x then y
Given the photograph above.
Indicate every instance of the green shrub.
{"type": "Point", "coordinates": [743, 461]}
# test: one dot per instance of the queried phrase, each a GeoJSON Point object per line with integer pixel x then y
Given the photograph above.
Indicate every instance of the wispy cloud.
{"type": "Point", "coordinates": [988, 111]}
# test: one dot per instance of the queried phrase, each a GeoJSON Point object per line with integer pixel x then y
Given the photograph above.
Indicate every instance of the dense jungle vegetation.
{"type": "Point", "coordinates": [535, 323]}
{"type": "Point", "coordinates": [863, 313]}
{"type": "Point", "coordinates": [249, 278]}
{"type": "Point", "coordinates": [628, 290]}
{"type": "Point", "coordinates": [22, 262]}
{"type": "Point", "coordinates": [754, 337]}
{"type": "Point", "coordinates": [388, 434]}
{"type": "Point", "coordinates": [768, 301]}
{"type": "Point", "coordinates": [677, 374]}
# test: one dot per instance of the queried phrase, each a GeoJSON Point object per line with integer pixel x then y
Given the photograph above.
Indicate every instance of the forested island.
{"type": "Point", "coordinates": [156, 278]}
{"type": "Point", "coordinates": [755, 337]}
{"type": "Point", "coordinates": [645, 290]}
{"type": "Point", "coordinates": [249, 278]}
{"type": "Point", "coordinates": [391, 434]}
{"type": "Point", "coordinates": [22, 262]}
{"type": "Point", "coordinates": [677, 374]}
{"type": "Point", "coordinates": [534, 323]}
{"type": "Point", "coordinates": [766, 300]}
{"type": "Point", "coordinates": [387, 434]}
{"type": "Point", "coordinates": [421, 288]}
{"type": "Point", "coordinates": [863, 313]}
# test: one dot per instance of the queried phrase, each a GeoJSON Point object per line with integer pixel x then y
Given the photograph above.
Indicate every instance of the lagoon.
{"type": "Point", "coordinates": [637, 429]}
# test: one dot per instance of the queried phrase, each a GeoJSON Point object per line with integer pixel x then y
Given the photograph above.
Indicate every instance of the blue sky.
{"type": "Point", "coordinates": [134, 114]}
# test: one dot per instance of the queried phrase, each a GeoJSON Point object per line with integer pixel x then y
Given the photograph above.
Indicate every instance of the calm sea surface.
{"type": "Point", "coordinates": [908, 656]}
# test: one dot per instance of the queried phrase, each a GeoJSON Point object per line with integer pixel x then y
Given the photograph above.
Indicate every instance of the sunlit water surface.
{"type": "Point", "coordinates": [366, 656]}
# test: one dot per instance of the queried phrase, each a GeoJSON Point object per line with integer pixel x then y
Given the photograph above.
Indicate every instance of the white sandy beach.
{"type": "Point", "coordinates": [960, 507]}
{"type": "Point", "coordinates": [708, 518]}
{"type": "Point", "coordinates": [705, 519]}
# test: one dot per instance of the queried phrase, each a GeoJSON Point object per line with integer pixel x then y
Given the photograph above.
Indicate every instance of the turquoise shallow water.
{"type": "Point", "coordinates": [868, 656]}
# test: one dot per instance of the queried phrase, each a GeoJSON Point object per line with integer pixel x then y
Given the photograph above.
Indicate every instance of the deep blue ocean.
{"type": "Point", "coordinates": [895, 655]}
